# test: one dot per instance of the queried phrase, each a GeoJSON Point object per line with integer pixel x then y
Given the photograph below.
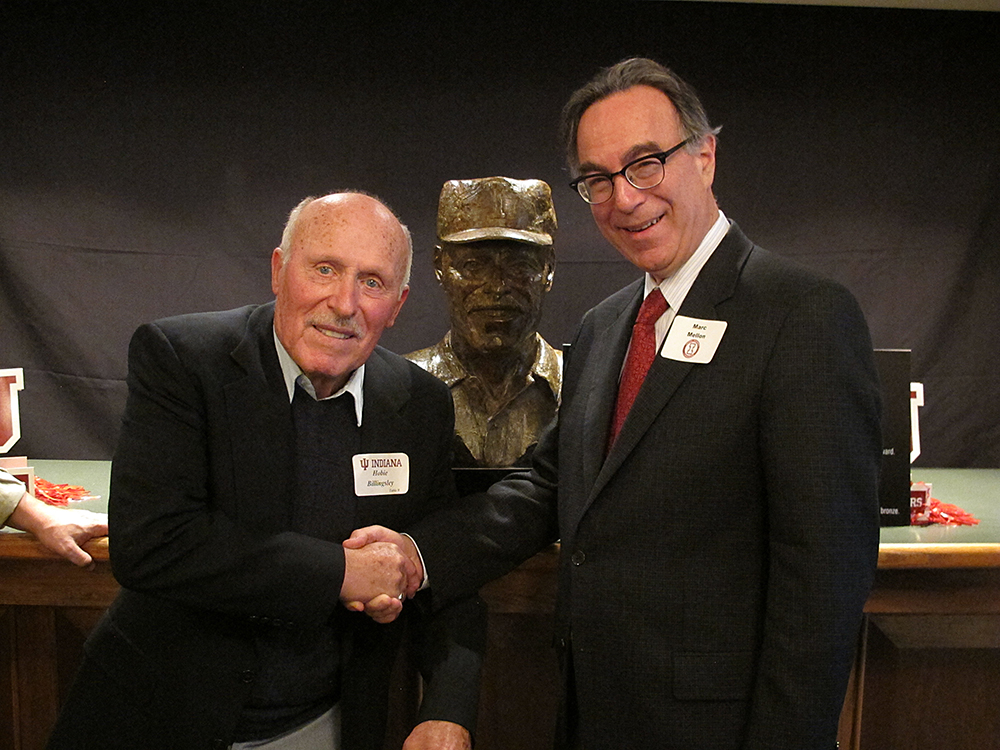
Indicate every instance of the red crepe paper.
{"type": "Point", "coordinates": [946, 514]}
{"type": "Point", "coordinates": [58, 494]}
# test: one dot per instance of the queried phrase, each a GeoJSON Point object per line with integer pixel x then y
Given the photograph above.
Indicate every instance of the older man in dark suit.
{"type": "Point", "coordinates": [713, 471]}
{"type": "Point", "coordinates": [253, 441]}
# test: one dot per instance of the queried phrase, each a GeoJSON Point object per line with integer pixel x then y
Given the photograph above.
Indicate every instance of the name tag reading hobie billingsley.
{"type": "Point", "coordinates": [693, 339]}
{"type": "Point", "coordinates": [381, 474]}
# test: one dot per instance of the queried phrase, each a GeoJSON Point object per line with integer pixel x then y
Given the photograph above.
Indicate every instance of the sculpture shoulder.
{"type": "Point", "coordinates": [425, 357]}
{"type": "Point", "coordinates": [439, 360]}
{"type": "Point", "coordinates": [549, 365]}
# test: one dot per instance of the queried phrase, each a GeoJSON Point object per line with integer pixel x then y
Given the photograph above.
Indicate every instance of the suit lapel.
{"type": "Point", "coordinates": [611, 338]}
{"type": "Point", "coordinates": [715, 283]}
{"type": "Point", "coordinates": [262, 435]}
{"type": "Point", "coordinates": [386, 393]}
{"type": "Point", "coordinates": [384, 430]}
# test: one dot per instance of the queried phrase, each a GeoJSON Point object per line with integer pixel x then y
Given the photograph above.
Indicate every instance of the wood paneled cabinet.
{"type": "Point", "coordinates": [47, 609]}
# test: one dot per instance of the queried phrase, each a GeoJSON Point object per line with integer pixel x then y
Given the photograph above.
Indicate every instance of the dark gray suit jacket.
{"type": "Point", "coordinates": [714, 566]}
{"type": "Point", "coordinates": [200, 542]}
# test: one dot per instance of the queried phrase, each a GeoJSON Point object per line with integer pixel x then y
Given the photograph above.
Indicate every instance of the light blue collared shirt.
{"type": "Point", "coordinates": [293, 374]}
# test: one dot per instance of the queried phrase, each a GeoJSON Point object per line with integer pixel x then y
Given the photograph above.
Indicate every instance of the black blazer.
{"type": "Point", "coordinates": [714, 565]}
{"type": "Point", "coordinates": [200, 543]}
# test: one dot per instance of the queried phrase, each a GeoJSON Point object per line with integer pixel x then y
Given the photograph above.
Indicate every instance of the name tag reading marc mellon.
{"type": "Point", "coordinates": [381, 474]}
{"type": "Point", "coordinates": [693, 339]}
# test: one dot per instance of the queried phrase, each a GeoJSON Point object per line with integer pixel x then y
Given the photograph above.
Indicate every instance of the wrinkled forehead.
{"type": "Point", "coordinates": [353, 214]}
{"type": "Point", "coordinates": [356, 224]}
{"type": "Point", "coordinates": [624, 126]}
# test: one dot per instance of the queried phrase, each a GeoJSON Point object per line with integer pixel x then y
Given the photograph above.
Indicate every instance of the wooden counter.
{"type": "Point", "coordinates": [927, 673]}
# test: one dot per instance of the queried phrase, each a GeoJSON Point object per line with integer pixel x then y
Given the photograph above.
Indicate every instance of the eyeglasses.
{"type": "Point", "coordinates": [644, 173]}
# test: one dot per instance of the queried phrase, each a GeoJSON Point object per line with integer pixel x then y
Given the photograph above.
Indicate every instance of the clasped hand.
{"type": "Point", "coordinates": [382, 568]}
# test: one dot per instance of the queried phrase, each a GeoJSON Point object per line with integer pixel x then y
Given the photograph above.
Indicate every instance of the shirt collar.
{"type": "Point", "coordinates": [546, 366]}
{"type": "Point", "coordinates": [293, 374]}
{"type": "Point", "coordinates": [676, 286]}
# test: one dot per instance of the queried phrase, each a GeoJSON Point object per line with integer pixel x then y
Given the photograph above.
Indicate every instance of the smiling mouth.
{"type": "Point", "coordinates": [331, 333]}
{"type": "Point", "coordinates": [644, 227]}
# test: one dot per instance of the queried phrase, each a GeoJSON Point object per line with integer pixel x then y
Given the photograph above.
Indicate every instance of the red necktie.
{"type": "Point", "coordinates": [641, 352]}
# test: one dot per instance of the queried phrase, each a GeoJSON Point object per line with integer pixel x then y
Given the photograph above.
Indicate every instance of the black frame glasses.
{"type": "Point", "coordinates": [582, 185]}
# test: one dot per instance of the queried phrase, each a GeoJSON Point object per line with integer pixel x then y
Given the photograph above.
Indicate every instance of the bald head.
{"type": "Point", "coordinates": [345, 206]}
{"type": "Point", "coordinates": [339, 279]}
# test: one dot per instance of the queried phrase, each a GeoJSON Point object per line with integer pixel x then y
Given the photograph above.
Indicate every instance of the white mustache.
{"type": "Point", "coordinates": [346, 325]}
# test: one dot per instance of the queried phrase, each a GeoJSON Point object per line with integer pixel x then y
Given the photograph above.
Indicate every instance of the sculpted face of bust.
{"type": "Point", "coordinates": [495, 290]}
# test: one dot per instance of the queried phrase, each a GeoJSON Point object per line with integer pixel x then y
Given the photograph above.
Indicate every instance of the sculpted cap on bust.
{"type": "Point", "coordinates": [496, 208]}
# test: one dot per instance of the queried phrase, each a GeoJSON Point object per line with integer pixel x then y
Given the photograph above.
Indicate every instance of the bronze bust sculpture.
{"type": "Point", "coordinates": [495, 263]}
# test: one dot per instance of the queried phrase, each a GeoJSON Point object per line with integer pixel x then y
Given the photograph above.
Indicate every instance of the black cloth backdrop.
{"type": "Point", "coordinates": [149, 156]}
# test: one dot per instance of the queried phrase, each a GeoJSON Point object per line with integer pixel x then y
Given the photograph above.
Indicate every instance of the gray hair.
{"type": "Point", "coordinates": [288, 234]}
{"type": "Point", "coordinates": [635, 71]}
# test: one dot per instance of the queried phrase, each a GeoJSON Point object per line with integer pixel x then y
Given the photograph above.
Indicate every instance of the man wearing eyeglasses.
{"type": "Point", "coordinates": [718, 513]}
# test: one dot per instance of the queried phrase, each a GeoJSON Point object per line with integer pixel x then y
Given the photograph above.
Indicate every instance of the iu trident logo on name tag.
{"type": "Point", "coordinates": [381, 474]}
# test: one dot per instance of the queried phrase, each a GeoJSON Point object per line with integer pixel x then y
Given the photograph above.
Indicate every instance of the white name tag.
{"type": "Point", "coordinates": [693, 339]}
{"type": "Point", "coordinates": [381, 474]}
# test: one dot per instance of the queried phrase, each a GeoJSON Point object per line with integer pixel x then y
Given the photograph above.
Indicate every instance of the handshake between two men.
{"type": "Point", "coordinates": [382, 568]}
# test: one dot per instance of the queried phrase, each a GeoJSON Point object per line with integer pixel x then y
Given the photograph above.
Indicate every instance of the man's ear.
{"type": "Point", "coordinates": [706, 159]}
{"type": "Point", "coordinates": [277, 261]}
{"type": "Point", "coordinates": [550, 269]}
{"type": "Point", "coordinates": [439, 253]}
{"type": "Point", "coordinates": [403, 294]}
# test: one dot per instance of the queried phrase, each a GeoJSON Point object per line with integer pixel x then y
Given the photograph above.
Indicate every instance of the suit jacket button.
{"type": "Point", "coordinates": [247, 676]}
{"type": "Point", "coordinates": [578, 558]}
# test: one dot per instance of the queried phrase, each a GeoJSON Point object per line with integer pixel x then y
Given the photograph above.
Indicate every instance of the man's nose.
{"type": "Point", "coordinates": [343, 297]}
{"type": "Point", "coordinates": [494, 279]}
{"type": "Point", "coordinates": [626, 196]}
